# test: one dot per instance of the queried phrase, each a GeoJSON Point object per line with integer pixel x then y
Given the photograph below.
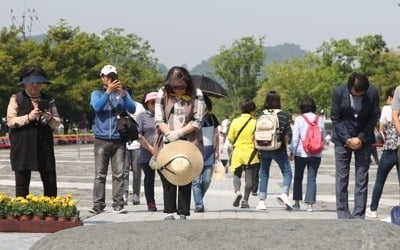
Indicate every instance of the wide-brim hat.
{"type": "Point", "coordinates": [34, 78]}
{"type": "Point", "coordinates": [180, 162]}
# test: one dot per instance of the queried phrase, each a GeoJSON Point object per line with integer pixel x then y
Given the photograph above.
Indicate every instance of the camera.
{"type": "Point", "coordinates": [113, 77]}
{"type": "Point", "coordinates": [43, 121]}
{"type": "Point", "coordinates": [43, 105]}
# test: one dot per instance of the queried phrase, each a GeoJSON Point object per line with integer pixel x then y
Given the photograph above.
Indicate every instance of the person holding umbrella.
{"type": "Point", "coordinates": [209, 130]}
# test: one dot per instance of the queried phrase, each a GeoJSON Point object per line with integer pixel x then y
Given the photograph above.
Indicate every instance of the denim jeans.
{"type": "Point", "coordinates": [387, 162]}
{"type": "Point", "coordinates": [280, 157]}
{"type": "Point", "coordinates": [201, 184]}
{"type": "Point", "coordinates": [342, 161]}
{"type": "Point", "coordinates": [104, 151]}
{"type": "Point", "coordinates": [300, 164]}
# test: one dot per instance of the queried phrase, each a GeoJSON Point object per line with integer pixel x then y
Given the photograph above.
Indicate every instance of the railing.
{"type": "Point", "coordinates": [59, 139]}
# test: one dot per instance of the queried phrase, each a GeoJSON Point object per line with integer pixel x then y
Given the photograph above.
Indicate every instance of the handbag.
{"type": "Point", "coordinates": [126, 125]}
{"type": "Point", "coordinates": [218, 171]}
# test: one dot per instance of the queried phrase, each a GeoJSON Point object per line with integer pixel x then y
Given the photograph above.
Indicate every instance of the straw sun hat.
{"type": "Point", "coordinates": [180, 162]}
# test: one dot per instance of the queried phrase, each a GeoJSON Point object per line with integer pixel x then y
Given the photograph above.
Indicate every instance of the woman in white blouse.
{"type": "Point", "coordinates": [302, 158]}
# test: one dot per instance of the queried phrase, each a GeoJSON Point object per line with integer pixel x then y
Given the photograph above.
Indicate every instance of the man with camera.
{"type": "Point", "coordinates": [31, 115]}
{"type": "Point", "coordinates": [108, 146]}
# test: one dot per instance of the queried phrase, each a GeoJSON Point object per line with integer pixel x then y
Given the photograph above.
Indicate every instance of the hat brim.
{"type": "Point", "coordinates": [35, 79]}
{"type": "Point", "coordinates": [175, 172]}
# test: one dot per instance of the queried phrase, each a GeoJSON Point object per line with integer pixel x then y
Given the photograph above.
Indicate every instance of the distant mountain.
{"type": "Point", "coordinates": [162, 68]}
{"type": "Point", "coordinates": [283, 52]}
{"type": "Point", "coordinates": [37, 38]}
{"type": "Point", "coordinates": [274, 54]}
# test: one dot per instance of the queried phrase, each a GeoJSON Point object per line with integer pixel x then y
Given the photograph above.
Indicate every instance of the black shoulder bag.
{"type": "Point", "coordinates": [253, 154]}
{"type": "Point", "coordinates": [126, 125]}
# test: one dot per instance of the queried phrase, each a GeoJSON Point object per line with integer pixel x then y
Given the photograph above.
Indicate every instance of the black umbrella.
{"type": "Point", "coordinates": [209, 86]}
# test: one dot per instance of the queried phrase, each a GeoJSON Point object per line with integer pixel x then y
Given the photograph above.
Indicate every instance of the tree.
{"type": "Point", "coordinates": [132, 55]}
{"type": "Point", "coordinates": [72, 60]}
{"type": "Point", "coordinates": [299, 78]}
{"type": "Point", "coordinates": [370, 48]}
{"type": "Point", "coordinates": [14, 53]}
{"type": "Point", "coordinates": [239, 66]}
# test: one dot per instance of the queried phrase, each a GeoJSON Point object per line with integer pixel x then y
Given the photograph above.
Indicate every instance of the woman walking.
{"type": "Point", "coordinates": [209, 130]}
{"type": "Point", "coordinates": [302, 159]}
{"type": "Point", "coordinates": [244, 156]}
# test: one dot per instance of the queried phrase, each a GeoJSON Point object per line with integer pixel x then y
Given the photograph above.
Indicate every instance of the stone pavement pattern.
{"type": "Point", "coordinates": [75, 169]}
{"type": "Point", "coordinates": [228, 234]}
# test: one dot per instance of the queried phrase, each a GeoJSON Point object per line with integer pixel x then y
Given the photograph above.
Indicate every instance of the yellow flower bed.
{"type": "Point", "coordinates": [42, 206]}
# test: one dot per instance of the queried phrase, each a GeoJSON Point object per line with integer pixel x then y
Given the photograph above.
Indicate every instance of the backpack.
{"type": "Point", "coordinates": [267, 135]}
{"type": "Point", "coordinates": [395, 215]}
{"type": "Point", "coordinates": [313, 142]}
{"type": "Point", "coordinates": [127, 127]}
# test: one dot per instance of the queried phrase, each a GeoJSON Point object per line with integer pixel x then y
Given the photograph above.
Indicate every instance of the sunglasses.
{"type": "Point", "coordinates": [178, 87]}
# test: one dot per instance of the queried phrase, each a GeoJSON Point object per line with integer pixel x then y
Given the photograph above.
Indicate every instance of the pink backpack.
{"type": "Point", "coordinates": [313, 143]}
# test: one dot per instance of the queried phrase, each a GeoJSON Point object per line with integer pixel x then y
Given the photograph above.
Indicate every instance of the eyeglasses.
{"type": "Point", "coordinates": [178, 87]}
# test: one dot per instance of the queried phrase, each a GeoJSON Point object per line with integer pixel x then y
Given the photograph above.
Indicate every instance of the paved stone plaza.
{"type": "Point", "coordinates": [75, 170]}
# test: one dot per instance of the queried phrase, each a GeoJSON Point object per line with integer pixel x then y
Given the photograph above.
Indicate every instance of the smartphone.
{"type": "Point", "coordinates": [113, 77]}
{"type": "Point", "coordinates": [43, 105]}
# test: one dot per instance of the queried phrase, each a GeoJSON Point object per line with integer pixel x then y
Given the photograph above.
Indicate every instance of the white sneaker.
{"type": "Point", "coordinates": [310, 208]}
{"type": "Point", "coordinates": [371, 214]}
{"type": "Point", "coordinates": [261, 205]}
{"type": "Point", "coordinates": [120, 210]}
{"type": "Point", "coordinates": [283, 199]}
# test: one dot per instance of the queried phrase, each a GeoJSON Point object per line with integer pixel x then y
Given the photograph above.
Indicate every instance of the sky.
{"type": "Point", "coordinates": [185, 32]}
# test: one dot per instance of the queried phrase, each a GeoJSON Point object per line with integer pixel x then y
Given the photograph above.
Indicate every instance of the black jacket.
{"type": "Point", "coordinates": [32, 146]}
{"type": "Point", "coordinates": [345, 124]}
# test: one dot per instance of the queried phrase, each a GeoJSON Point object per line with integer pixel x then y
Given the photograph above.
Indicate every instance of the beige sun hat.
{"type": "Point", "coordinates": [180, 162]}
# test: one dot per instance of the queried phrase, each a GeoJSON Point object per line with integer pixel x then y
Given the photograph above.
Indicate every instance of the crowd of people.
{"type": "Point", "coordinates": [179, 111]}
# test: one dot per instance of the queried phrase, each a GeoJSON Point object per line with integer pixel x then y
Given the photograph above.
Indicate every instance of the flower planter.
{"type": "Point", "coordinates": [31, 226]}
{"type": "Point", "coordinates": [11, 217]}
{"type": "Point", "coordinates": [25, 217]}
{"type": "Point", "coordinates": [63, 219]}
{"type": "Point", "coordinates": [50, 218]}
{"type": "Point", "coordinates": [37, 218]}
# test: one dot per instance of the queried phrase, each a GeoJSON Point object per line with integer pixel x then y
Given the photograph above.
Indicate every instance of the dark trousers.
{"type": "Point", "coordinates": [184, 196]}
{"type": "Point", "coordinates": [256, 179]}
{"type": "Point", "coordinates": [148, 182]}
{"type": "Point", "coordinates": [250, 174]}
{"type": "Point", "coordinates": [362, 161]}
{"type": "Point", "coordinates": [23, 179]}
{"type": "Point", "coordinates": [387, 162]}
{"type": "Point", "coordinates": [312, 164]}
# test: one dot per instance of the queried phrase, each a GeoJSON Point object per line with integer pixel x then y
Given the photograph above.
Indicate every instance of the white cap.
{"type": "Point", "coordinates": [107, 70]}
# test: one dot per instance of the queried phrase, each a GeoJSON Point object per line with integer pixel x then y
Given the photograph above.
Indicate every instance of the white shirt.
{"type": "Point", "coordinates": [224, 126]}
{"type": "Point", "coordinates": [386, 114]}
{"type": "Point", "coordinates": [135, 144]}
{"type": "Point", "coordinates": [299, 130]}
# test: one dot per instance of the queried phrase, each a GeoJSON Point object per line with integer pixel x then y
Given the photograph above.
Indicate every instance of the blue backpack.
{"type": "Point", "coordinates": [395, 215]}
